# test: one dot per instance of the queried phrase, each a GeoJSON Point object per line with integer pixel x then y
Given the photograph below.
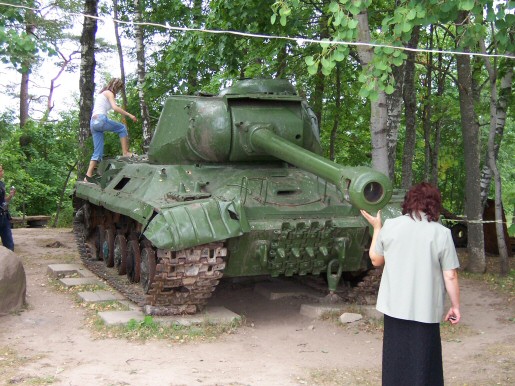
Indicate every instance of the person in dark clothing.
{"type": "Point", "coordinates": [5, 218]}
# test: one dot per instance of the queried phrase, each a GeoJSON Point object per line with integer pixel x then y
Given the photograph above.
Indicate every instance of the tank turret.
{"type": "Point", "coordinates": [233, 185]}
{"type": "Point", "coordinates": [256, 121]}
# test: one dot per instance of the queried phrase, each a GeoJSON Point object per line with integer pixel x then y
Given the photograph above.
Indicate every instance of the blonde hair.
{"type": "Point", "coordinates": [114, 85]}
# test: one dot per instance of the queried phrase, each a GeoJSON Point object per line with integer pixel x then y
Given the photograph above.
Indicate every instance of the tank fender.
{"type": "Point", "coordinates": [198, 222]}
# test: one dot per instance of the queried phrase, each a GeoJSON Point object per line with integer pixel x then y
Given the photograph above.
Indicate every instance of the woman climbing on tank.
{"type": "Point", "coordinates": [100, 123]}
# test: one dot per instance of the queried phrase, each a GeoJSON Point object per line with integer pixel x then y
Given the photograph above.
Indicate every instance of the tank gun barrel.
{"type": "Point", "coordinates": [362, 186]}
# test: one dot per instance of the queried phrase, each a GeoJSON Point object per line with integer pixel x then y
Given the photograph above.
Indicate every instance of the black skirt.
{"type": "Point", "coordinates": [412, 353]}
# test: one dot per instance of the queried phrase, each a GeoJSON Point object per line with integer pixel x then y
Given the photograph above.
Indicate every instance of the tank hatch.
{"type": "Point", "coordinates": [260, 86]}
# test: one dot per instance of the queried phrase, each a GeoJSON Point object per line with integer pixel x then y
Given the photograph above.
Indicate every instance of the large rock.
{"type": "Point", "coordinates": [13, 284]}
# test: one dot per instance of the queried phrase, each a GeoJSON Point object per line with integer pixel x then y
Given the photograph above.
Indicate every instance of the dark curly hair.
{"type": "Point", "coordinates": [423, 197]}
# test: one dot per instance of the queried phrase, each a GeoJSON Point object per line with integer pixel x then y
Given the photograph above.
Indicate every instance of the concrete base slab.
{"type": "Point", "coordinates": [112, 318]}
{"type": "Point", "coordinates": [75, 281]}
{"type": "Point", "coordinates": [62, 270]}
{"type": "Point", "coordinates": [100, 296]}
{"type": "Point", "coordinates": [213, 315]}
{"type": "Point", "coordinates": [282, 289]}
{"type": "Point", "coordinates": [317, 310]}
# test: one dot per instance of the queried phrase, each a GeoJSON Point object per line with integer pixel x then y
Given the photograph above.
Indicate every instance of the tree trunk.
{"type": "Point", "coordinates": [470, 131]}
{"type": "Point", "coordinates": [71, 168]}
{"type": "Point", "coordinates": [378, 109]}
{"type": "Point", "coordinates": [192, 74]}
{"type": "Point", "coordinates": [393, 121]}
{"type": "Point", "coordinates": [140, 56]}
{"type": "Point", "coordinates": [505, 90]}
{"type": "Point", "coordinates": [24, 99]}
{"type": "Point", "coordinates": [427, 112]}
{"type": "Point", "coordinates": [282, 61]}
{"type": "Point", "coordinates": [409, 96]}
{"type": "Point", "coordinates": [440, 79]}
{"type": "Point", "coordinates": [337, 105]}
{"type": "Point", "coordinates": [497, 118]}
{"type": "Point", "coordinates": [120, 57]}
{"type": "Point", "coordinates": [30, 28]}
{"type": "Point", "coordinates": [317, 99]}
{"type": "Point", "coordinates": [87, 79]}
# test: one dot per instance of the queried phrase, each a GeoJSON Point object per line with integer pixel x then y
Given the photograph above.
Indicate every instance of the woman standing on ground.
{"type": "Point", "coordinates": [100, 123]}
{"type": "Point", "coordinates": [420, 265]}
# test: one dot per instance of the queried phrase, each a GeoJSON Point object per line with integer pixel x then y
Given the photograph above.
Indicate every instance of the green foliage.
{"type": "Point", "coordinates": [394, 30]}
{"type": "Point", "coordinates": [27, 31]}
{"type": "Point", "coordinates": [40, 167]}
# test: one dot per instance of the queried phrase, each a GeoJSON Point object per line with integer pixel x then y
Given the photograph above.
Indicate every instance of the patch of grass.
{"type": "Point", "coordinates": [111, 305]}
{"type": "Point", "coordinates": [455, 332]}
{"type": "Point", "coordinates": [150, 329]}
{"type": "Point", "coordinates": [10, 364]}
{"type": "Point", "coordinates": [55, 283]}
{"type": "Point", "coordinates": [492, 277]}
{"type": "Point", "coordinates": [330, 377]}
{"type": "Point", "coordinates": [496, 282]}
{"type": "Point", "coordinates": [366, 324]}
{"type": "Point", "coordinates": [495, 365]}
{"type": "Point", "coordinates": [10, 360]}
{"type": "Point", "coordinates": [48, 380]}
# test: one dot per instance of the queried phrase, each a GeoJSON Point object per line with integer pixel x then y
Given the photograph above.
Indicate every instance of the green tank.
{"type": "Point", "coordinates": [233, 185]}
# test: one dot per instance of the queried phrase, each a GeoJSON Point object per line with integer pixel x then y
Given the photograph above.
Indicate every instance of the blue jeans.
{"type": "Point", "coordinates": [98, 126]}
{"type": "Point", "coordinates": [5, 231]}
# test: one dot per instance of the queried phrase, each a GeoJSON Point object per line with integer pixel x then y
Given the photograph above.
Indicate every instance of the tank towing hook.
{"type": "Point", "coordinates": [334, 278]}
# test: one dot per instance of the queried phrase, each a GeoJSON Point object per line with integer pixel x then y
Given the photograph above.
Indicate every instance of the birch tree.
{"type": "Point", "coordinates": [87, 77]}
{"type": "Point", "coordinates": [470, 132]}
{"type": "Point", "coordinates": [140, 56]}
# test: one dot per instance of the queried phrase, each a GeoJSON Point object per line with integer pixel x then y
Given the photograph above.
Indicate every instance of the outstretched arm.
{"type": "Point", "coordinates": [110, 96]}
{"type": "Point", "coordinates": [377, 260]}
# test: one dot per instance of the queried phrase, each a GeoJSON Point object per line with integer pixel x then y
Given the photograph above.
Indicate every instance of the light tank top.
{"type": "Point", "coordinates": [102, 105]}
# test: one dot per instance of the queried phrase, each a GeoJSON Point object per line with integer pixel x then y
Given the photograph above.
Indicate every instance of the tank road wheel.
{"type": "Point", "coordinates": [120, 254]}
{"type": "Point", "coordinates": [133, 261]}
{"type": "Point", "coordinates": [148, 268]}
{"type": "Point", "coordinates": [99, 242]}
{"type": "Point", "coordinates": [108, 247]}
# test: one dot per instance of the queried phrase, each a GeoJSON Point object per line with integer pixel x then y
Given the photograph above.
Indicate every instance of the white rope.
{"type": "Point", "coordinates": [298, 40]}
{"type": "Point", "coordinates": [473, 221]}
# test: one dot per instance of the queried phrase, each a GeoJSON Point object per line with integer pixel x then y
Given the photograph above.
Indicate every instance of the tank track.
{"type": "Point", "coordinates": [365, 292]}
{"type": "Point", "coordinates": [182, 283]}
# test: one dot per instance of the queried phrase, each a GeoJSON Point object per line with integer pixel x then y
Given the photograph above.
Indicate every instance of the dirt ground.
{"type": "Point", "coordinates": [51, 343]}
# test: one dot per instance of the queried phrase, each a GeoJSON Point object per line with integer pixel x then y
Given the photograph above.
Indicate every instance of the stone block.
{"type": "Point", "coordinates": [112, 318]}
{"type": "Point", "coordinates": [317, 310]}
{"type": "Point", "coordinates": [64, 270]}
{"type": "Point", "coordinates": [215, 315]}
{"type": "Point", "coordinates": [348, 317]}
{"type": "Point", "coordinates": [75, 281]}
{"type": "Point", "coordinates": [100, 296]}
